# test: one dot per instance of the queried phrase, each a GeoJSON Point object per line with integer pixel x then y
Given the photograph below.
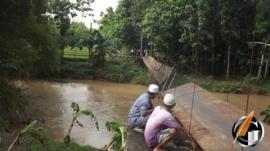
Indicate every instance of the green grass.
{"type": "Point", "coordinates": [230, 86]}
{"type": "Point", "coordinates": [76, 53]}
{"type": "Point", "coordinates": [123, 70]}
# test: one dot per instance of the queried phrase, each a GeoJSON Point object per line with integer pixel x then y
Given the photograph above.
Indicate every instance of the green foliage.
{"type": "Point", "coordinates": [29, 142]}
{"type": "Point", "coordinates": [77, 112]}
{"type": "Point", "coordinates": [12, 99]}
{"type": "Point", "coordinates": [194, 36]}
{"type": "Point", "coordinates": [241, 85]}
{"type": "Point", "coordinates": [266, 114]}
{"type": "Point", "coordinates": [123, 70]}
{"type": "Point", "coordinates": [168, 25]}
{"type": "Point", "coordinates": [33, 130]}
{"type": "Point", "coordinates": [77, 33]}
{"type": "Point", "coordinates": [31, 48]}
{"type": "Point", "coordinates": [119, 135]}
{"type": "Point", "coordinates": [121, 27]}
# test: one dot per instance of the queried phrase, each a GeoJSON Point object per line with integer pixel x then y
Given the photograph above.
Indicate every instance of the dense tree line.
{"type": "Point", "coordinates": [206, 36]}
{"type": "Point", "coordinates": [28, 39]}
{"type": "Point", "coordinates": [34, 33]}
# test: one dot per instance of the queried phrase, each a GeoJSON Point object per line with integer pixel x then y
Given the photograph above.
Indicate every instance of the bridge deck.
{"type": "Point", "coordinates": [211, 123]}
{"type": "Point", "coordinates": [212, 119]}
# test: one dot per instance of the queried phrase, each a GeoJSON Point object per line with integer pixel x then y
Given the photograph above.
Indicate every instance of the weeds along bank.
{"type": "Point", "coordinates": [114, 69]}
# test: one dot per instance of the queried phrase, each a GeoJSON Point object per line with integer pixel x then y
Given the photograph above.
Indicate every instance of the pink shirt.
{"type": "Point", "coordinates": [159, 120]}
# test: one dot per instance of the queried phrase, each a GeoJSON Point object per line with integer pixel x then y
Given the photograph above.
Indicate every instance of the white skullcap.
{"type": "Point", "coordinates": [169, 99]}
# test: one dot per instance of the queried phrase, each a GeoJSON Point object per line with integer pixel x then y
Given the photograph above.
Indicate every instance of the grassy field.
{"type": "Point", "coordinates": [76, 53]}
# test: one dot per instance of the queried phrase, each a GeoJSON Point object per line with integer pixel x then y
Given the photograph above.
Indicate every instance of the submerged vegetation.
{"type": "Point", "coordinates": [119, 132]}
{"type": "Point", "coordinates": [76, 113]}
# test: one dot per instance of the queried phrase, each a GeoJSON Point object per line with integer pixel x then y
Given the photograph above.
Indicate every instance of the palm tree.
{"type": "Point", "coordinates": [119, 136]}
{"type": "Point", "coordinates": [77, 113]}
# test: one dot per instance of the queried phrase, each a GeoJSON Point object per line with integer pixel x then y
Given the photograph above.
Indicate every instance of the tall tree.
{"type": "Point", "coordinates": [63, 10]}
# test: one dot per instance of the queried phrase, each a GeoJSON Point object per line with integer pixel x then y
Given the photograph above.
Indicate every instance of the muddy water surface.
{"type": "Point", "coordinates": [108, 101]}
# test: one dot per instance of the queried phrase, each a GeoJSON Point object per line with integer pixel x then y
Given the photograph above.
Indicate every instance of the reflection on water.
{"type": "Point", "coordinates": [258, 103]}
{"type": "Point", "coordinates": [108, 101]}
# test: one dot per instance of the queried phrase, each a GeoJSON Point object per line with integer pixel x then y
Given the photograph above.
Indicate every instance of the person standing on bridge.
{"type": "Point", "coordinates": [142, 108]}
{"type": "Point", "coordinates": [162, 125]}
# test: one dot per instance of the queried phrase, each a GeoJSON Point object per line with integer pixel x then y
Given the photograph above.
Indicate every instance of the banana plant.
{"type": "Point", "coordinates": [76, 112]}
{"type": "Point", "coordinates": [266, 114]}
{"type": "Point", "coordinates": [118, 141]}
{"type": "Point", "coordinates": [33, 129]}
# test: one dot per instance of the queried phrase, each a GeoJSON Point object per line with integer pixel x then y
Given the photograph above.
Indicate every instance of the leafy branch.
{"type": "Point", "coordinates": [77, 113]}
{"type": "Point", "coordinates": [119, 136]}
{"type": "Point", "coordinates": [32, 129]}
{"type": "Point", "coordinates": [266, 114]}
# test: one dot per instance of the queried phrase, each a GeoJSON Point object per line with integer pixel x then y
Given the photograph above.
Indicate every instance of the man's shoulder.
{"type": "Point", "coordinates": [162, 111]}
{"type": "Point", "coordinates": [143, 98]}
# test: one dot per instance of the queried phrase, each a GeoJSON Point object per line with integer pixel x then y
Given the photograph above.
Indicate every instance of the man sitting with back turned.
{"type": "Point", "coordinates": [162, 126]}
{"type": "Point", "coordinates": [142, 108]}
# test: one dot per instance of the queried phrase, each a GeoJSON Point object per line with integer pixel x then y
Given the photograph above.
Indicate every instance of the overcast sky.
{"type": "Point", "coordinates": [98, 6]}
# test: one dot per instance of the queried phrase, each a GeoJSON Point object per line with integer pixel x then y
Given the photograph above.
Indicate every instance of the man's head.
{"type": "Point", "coordinates": [153, 90]}
{"type": "Point", "coordinates": [169, 101]}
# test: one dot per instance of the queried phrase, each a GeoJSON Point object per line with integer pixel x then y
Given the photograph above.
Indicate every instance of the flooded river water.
{"type": "Point", "coordinates": [108, 101]}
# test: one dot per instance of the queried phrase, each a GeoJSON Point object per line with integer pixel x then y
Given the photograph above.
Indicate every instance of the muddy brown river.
{"type": "Point", "coordinates": [108, 101]}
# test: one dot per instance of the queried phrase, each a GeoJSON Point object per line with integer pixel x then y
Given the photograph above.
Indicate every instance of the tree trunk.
{"type": "Point", "coordinates": [212, 55]}
{"type": "Point", "coordinates": [262, 57]}
{"type": "Point", "coordinates": [141, 45]}
{"type": "Point", "coordinates": [62, 56]}
{"type": "Point", "coordinates": [252, 54]}
{"type": "Point", "coordinates": [228, 62]}
{"type": "Point", "coordinates": [266, 68]}
{"type": "Point", "coordinates": [251, 61]}
{"type": "Point", "coordinates": [260, 68]}
{"type": "Point", "coordinates": [89, 55]}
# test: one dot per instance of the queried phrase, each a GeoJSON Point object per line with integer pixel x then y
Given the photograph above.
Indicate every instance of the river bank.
{"type": "Point", "coordinates": [122, 70]}
{"type": "Point", "coordinates": [132, 70]}
{"type": "Point", "coordinates": [238, 85]}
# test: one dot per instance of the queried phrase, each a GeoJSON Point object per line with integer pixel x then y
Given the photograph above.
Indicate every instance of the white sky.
{"type": "Point", "coordinates": [98, 6]}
